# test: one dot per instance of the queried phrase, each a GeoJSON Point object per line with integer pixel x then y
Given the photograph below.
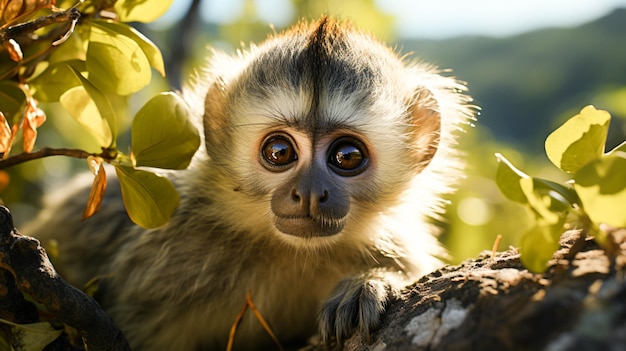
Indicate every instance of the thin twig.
{"type": "Point", "coordinates": [233, 328]}
{"type": "Point", "coordinates": [258, 316]}
{"type": "Point", "coordinates": [68, 33]}
{"type": "Point", "coordinates": [494, 249]}
{"type": "Point", "coordinates": [11, 32]}
{"type": "Point", "coordinates": [47, 151]}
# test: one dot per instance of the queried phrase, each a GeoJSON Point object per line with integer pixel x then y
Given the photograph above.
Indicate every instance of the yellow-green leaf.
{"type": "Point", "coordinates": [539, 202]}
{"type": "Point", "coordinates": [35, 336]}
{"type": "Point", "coordinates": [162, 135]}
{"type": "Point", "coordinates": [538, 245]}
{"type": "Point", "coordinates": [601, 186]}
{"type": "Point", "coordinates": [150, 199]}
{"type": "Point", "coordinates": [579, 140]}
{"type": "Point", "coordinates": [153, 54]}
{"type": "Point", "coordinates": [141, 11]}
{"type": "Point", "coordinates": [115, 62]}
{"type": "Point", "coordinates": [56, 80]}
{"type": "Point", "coordinates": [91, 108]}
{"type": "Point", "coordinates": [81, 106]}
{"type": "Point", "coordinates": [507, 179]}
{"type": "Point", "coordinates": [510, 180]}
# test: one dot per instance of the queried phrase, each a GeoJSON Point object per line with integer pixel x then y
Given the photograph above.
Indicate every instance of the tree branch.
{"type": "Point", "coordinates": [70, 15]}
{"type": "Point", "coordinates": [47, 151]}
{"type": "Point", "coordinates": [27, 262]}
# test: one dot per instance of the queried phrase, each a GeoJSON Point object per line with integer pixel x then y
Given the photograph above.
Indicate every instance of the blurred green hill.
{"type": "Point", "coordinates": [528, 84]}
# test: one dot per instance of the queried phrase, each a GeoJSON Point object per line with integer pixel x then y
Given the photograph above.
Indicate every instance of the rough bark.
{"type": "Point", "coordinates": [25, 269]}
{"type": "Point", "coordinates": [494, 303]}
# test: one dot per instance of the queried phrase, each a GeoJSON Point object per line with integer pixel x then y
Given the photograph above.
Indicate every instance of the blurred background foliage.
{"type": "Point", "coordinates": [526, 85]}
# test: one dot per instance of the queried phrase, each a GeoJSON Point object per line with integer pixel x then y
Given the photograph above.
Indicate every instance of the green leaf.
{"type": "Point", "coordinates": [162, 135]}
{"type": "Point", "coordinates": [35, 336]}
{"type": "Point", "coordinates": [83, 108]}
{"type": "Point", "coordinates": [150, 199]}
{"type": "Point", "coordinates": [91, 108]}
{"type": "Point", "coordinates": [141, 11]}
{"type": "Point", "coordinates": [565, 196]}
{"type": "Point", "coordinates": [12, 101]}
{"type": "Point", "coordinates": [115, 62]}
{"type": "Point", "coordinates": [508, 177]}
{"type": "Point", "coordinates": [538, 245]}
{"type": "Point", "coordinates": [153, 54]}
{"type": "Point", "coordinates": [56, 80]}
{"type": "Point", "coordinates": [579, 140]}
{"type": "Point", "coordinates": [601, 186]}
{"type": "Point", "coordinates": [544, 205]}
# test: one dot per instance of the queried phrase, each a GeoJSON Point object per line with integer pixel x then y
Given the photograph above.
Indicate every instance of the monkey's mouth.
{"type": "Point", "coordinates": [308, 227]}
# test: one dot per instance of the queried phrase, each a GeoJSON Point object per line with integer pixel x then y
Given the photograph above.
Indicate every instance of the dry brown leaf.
{"type": "Point", "coordinates": [34, 117]}
{"type": "Point", "coordinates": [6, 136]}
{"type": "Point", "coordinates": [97, 188]}
{"type": "Point", "coordinates": [12, 9]}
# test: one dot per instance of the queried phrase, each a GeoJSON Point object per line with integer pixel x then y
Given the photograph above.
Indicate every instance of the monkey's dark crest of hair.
{"type": "Point", "coordinates": [328, 60]}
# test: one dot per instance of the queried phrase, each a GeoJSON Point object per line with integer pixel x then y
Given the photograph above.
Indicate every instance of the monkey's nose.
{"type": "Point", "coordinates": [310, 200]}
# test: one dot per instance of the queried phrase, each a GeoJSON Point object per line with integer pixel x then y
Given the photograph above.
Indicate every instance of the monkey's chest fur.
{"type": "Point", "coordinates": [183, 286]}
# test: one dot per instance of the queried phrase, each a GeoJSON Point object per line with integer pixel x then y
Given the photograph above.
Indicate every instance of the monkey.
{"type": "Point", "coordinates": [325, 156]}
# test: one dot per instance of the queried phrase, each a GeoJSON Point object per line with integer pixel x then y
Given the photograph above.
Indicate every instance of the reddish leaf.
{"type": "Point", "coordinates": [97, 189]}
{"type": "Point", "coordinates": [6, 136]}
{"type": "Point", "coordinates": [11, 9]}
{"type": "Point", "coordinates": [33, 119]}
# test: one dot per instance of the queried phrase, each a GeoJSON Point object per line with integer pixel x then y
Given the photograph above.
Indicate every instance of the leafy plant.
{"type": "Point", "coordinates": [595, 196]}
{"type": "Point", "coordinates": [81, 55]}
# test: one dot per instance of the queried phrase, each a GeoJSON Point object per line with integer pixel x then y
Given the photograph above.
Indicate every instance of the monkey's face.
{"type": "Point", "coordinates": [319, 130]}
{"type": "Point", "coordinates": [313, 199]}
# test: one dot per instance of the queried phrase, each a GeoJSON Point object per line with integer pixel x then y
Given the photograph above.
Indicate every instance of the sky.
{"type": "Point", "coordinates": [437, 19]}
{"type": "Point", "coordinates": [449, 18]}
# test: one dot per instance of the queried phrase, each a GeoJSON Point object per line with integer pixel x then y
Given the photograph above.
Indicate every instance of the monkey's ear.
{"type": "Point", "coordinates": [214, 119]}
{"type": "Point", "coordinates": [425, 121]}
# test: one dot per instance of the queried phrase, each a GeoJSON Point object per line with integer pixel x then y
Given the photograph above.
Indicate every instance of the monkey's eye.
{"type": "Point", "coordinates": [278, 152]}
{"type": "Point", "coordinates": [348, 157]}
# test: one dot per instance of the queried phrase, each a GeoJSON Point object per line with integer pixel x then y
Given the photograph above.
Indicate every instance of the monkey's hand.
{"type": "Point", "coordinates": [356, 304]}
